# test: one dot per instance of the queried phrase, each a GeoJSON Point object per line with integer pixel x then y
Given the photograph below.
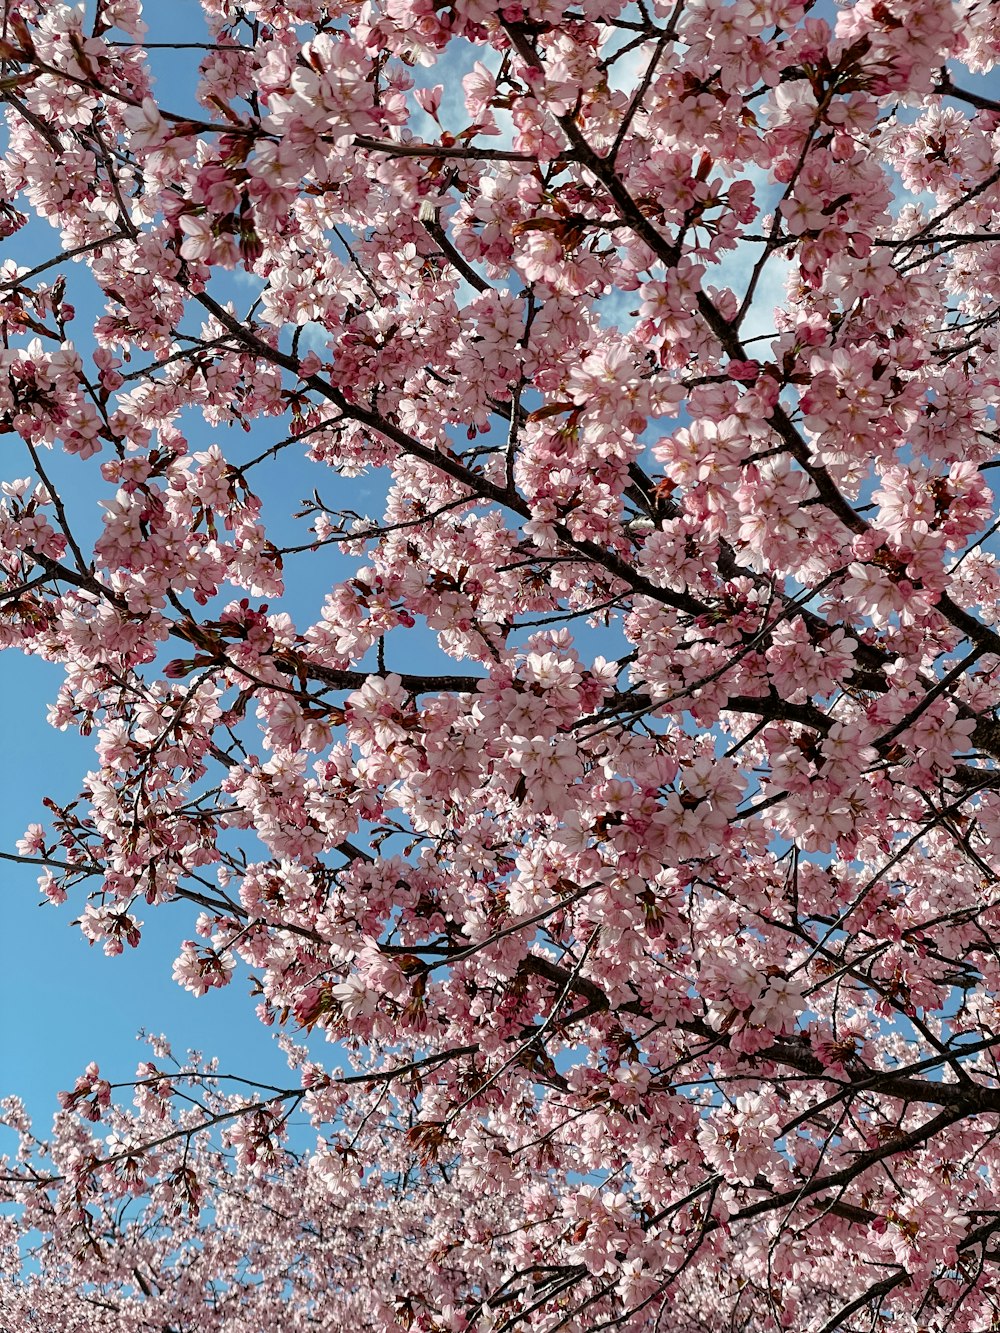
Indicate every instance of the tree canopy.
{"type": "Point", "coordinates": [509, 489]}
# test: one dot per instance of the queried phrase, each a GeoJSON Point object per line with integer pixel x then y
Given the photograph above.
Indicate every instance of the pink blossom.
{"type": "Point", "coordinates": [540, 634]}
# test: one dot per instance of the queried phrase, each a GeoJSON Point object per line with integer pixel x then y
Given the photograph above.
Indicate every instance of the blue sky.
{"type": "Point", "coordinates": [63, 1002]}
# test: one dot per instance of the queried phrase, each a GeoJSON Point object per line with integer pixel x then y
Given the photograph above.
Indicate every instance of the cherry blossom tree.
{"type": "Point", "coordinates": [596, 780]}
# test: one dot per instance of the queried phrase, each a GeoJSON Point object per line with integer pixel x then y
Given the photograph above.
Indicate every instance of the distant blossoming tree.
{"type": "Point", "coordinates": [620, 797]}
